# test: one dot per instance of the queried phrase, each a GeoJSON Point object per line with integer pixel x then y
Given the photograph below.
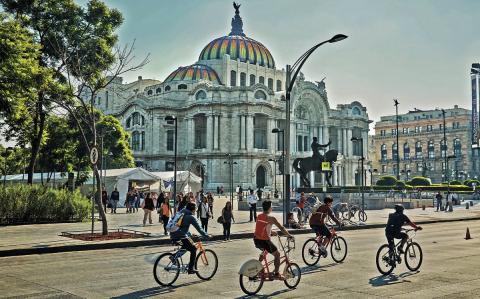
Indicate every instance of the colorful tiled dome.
{"type": "Point", "coordinates": [194, 72]}
{"type": "Point", "coordinates": [238, 46]}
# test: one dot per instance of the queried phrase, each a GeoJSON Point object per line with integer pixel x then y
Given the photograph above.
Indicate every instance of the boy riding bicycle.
{"type": "Point", "coordinates": [317, 222]}
{"type": "Point", "coordinates": [183, 235]}
{"type": "Point", "coordinates": [263, 231]}
{"type": "Point", "coordinates": [394, 228]}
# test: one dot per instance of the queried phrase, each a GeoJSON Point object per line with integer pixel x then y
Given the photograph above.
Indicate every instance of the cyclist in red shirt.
{"type": "Point", "coordinates": [263, 231]}
{"type": "Point", "coordinates": [317, 222]}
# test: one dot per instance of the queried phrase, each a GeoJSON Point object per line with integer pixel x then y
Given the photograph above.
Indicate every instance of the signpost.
{"type": "Point", "coordinates": [93, 160]}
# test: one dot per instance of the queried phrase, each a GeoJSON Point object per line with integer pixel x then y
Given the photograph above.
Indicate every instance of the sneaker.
{"type": "Point", "coordinates": [278, 276]}
{"type": "Point", "coordinates": [192, 271]}
{"type": "Point", "coordinates": [323, 251]}
{"type": "Point", "coordinates": [400, 251]}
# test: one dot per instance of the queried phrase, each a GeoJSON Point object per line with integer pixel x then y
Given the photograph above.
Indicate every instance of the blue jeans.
{"type": "Point", "coordinates": [439, 204]}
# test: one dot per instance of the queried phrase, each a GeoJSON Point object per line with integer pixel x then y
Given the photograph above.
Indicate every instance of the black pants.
{"type": "Point", "coordinates": [391, 236]}
{"type": "Point", "coordinates": [188, 245]}
{"type": "Point", "coordinates": [204, 222]}
{"type": "Point", "coordinates": [253, 212]}
{"type": "Point", "coordinates": [226, 229]}
{"type": "Point", "coordinates": [165, 222]}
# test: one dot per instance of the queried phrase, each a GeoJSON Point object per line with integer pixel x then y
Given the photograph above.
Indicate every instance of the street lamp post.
{"type": "Point", "coordinates": [230, 162]}
{"type": "Point", "coordinates": [397, 134]}
{"type": "Point", "coordinates": [447, 176]}
{"type": "Point", "coordinates": [445, 144]}
{"type": "Point", "coordinates": [356, 139]}
{"type": "Point", "coordinates": [275, 161]}
{"type": "Point", "coordinates": [291, 75]}
{"type": "Point", "coordinates": [6, 154]}
{"type": "Point", "coordinates": [170, 118]}
{"type": "Point", "coordinates": [285, 204]}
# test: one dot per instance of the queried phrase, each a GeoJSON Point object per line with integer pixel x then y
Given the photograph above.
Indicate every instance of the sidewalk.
{"type": "Point", "coordinates": [47, 236]}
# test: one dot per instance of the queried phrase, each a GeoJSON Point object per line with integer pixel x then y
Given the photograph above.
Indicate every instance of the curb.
{"type": "Point", "coordinates": [163, 241]}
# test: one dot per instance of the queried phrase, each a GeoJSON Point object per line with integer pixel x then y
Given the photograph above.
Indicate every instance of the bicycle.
{"type": "Point", "coordinates": [253, 273]}
{"type": "Point", "coordinates": [389, 260]}
{"type": "Point", "coordinates": [168, 266]}
{"type": "Point", "coordinates": [311, 248]}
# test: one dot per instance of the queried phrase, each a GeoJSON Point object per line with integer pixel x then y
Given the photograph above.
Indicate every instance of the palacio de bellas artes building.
{"type": "Point", "coordinates": [228, 102]}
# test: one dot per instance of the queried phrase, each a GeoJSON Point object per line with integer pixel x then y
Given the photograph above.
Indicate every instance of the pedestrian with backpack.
{"type": "Point", "coordinates": [179, 227]}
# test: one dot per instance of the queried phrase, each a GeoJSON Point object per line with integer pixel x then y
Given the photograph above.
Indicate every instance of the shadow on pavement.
{"type": "Point", "coordinates": [151, 292]}
{"type": "Point", "coordinates": [315, 269]}
{"type": "Point", "coordinates": [266, 295]}
{"type": "Point", "coordinates": [384, 280]}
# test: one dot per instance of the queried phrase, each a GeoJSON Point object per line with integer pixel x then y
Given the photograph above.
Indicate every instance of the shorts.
{"type": "Point", "coordinates": [322, 230]}
{"type": "Point", "coordinates": [265, 245]}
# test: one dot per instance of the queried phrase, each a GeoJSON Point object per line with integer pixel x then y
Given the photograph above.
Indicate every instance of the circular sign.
{"type": "Point", "coordinates": [94, 155]}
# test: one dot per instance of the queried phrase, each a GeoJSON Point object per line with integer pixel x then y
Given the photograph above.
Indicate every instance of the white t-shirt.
{"type": "Point", "coordinates": [252, 199]}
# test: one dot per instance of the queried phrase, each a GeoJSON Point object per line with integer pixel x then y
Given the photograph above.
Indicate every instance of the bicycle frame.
{"type": "Point", "coordinates": [283, 259]}
{"type": "Point", "coordinates": [409, 240]}
{"type": "Point", "coordinates": [179, 252]}
{"type": "Point", "coordinates": [319, 237]}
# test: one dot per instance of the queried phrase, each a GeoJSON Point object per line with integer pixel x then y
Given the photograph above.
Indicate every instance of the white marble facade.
{"type": "Point", "coordinates": [228, 102]}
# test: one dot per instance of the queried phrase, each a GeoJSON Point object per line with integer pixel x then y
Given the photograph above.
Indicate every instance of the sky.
{"type": "Point", "coordinates": [418, 51]}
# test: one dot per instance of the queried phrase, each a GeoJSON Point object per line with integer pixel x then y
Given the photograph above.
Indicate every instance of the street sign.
{"type": "Point", "coordinates": [94, 155]}
{"type": "Point", "coordinates": [326, 166]}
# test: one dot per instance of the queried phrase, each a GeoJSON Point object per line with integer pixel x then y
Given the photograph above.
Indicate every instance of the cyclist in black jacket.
{"type": "Point", "coordinates": [394, 228]}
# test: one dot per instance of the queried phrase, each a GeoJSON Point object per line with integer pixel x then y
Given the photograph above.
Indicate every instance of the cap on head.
{"type": "Point", "coordinates": [399, 208]}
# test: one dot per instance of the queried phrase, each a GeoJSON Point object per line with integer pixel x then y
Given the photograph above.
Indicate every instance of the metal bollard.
{"type": "Point", "coordinates": [450, 207]}
{"type": "Point", "coordinates": [423, 207]}
{"type": "Point", "coordinates": [471, 203]}
{"type": "Point", "coordinates": [467, 206]}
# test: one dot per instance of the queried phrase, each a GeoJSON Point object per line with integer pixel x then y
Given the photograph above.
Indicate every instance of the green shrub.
{"type": "Point", "coordinates": [387, 180]}
{"type": "Point", "coordinates": [455, 182]}
{"type": "Point", "coordinates": [38, 204]}
{"type": "Point", "coordinates": [420, 181]}
{"type": "Point", "coordinates": [469, 183]}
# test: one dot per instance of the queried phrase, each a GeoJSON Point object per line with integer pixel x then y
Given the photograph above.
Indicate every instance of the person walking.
{"type": "Point", "coordinates": [210, 202]}
{"type": "Point", "coordinates": [130, 201]}
{"type": "Point", "coordinates": [114, 198]}
{"type": "Point", "coordinates": [439, 198]}
{"type": "Point", "coordinates": [161, 199]}
{"type": "Point", "coordinates": [301, 205]}
{"type": "Point", "coordinates": [227, 216]}
{"type": "Point", "coordinates": [204, 213]}
{"type": "Point", "coordinates": [182, 202]}
{"type": "Point", "coordinates": [104, 199]}
{"type": "Point", "coordinates": [148, 207]}
{"type": "Point", "coordinates": [259, 193]}
{"type": "Point", "coordinates": [252, 203]}
{"type": "Point", "coordinates": [165, 212]}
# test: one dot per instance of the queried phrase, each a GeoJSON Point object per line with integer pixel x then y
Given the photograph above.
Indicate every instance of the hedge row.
{"type": "Point", "coordinates": [37, 204]}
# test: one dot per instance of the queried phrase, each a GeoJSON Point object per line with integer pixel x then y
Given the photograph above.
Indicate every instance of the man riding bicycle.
{"type": "Point", "coordinates": [263, 231]}
{"type": "Point", "coordinates": [317, 222]}
{"type": "Point", "coordinates": [183, 235]}
{"type": "Point", "coordinates": [394, 228]}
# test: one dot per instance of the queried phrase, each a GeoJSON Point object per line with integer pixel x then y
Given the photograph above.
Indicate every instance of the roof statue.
{"type": "Point", "coordinates": [237, 8]}
{"type": "Point", "coordinates": [237, 23]}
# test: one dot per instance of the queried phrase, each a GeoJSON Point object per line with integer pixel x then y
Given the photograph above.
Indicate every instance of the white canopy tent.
{"type": "Point", "coordinates": [186, 181]}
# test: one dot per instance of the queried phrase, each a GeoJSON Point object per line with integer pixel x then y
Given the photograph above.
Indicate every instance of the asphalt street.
{"type": "Point", "coordinates": [450, 269]}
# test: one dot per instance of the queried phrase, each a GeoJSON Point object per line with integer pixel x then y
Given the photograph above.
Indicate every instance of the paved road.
{"type": "Point", "coordinates": [450, 270]}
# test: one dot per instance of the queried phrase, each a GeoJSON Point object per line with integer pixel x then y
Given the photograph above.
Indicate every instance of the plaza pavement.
{"type": "Point", "coordinates": [449, 270]}
{"type": "Point", "coordinates": [25, 239]}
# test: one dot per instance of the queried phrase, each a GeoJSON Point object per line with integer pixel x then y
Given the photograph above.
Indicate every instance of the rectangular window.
{"type": "Point", "coordinates": [382, 133]}
{"type": "Point", "coordinates": [169, 166]}
{"type": "Point", "coordinates": [384, 168]}
{"type": "Point", "coordinates": [170, 140]}
{"type": "Point", "coordinates": [429, 128]}
{"type": "Point", "coordinates": [305, 143]}
{"type": "Point", "coordinates": [441, 126]}
{"type": "Point", "coordinates": [299, 144]}
{"type": "Point", "coordinates": [394, 131]}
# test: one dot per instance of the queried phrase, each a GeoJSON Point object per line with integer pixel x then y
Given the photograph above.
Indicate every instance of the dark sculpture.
{"type": "Point", "coordinates": [237, 8]}
{"type": "Point", "coordinates": [304, 165]}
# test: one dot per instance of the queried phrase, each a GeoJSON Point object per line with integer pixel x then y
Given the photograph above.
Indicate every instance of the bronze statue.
{"type": "Point", "coordinates": [304, 165]}
{"type": "Point", "coordinates": [237, 8]}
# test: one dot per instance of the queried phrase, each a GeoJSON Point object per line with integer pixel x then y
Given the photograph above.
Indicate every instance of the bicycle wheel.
{"type": "Point", "coordinates": [383, 260]}
{"type": "Point", "coordinates": [251, 285]}
{"type": "Point", "coordinates": [206, 264]}
{"type": "Point", "coordinates": [293, 274]}
{"type": "Point", "coordinates": [166, 271]}
{"type": "Point", "coordinates": [362, 216]}
{"type": "Point", "coordinates": [413, 256]}
{"type": "Point", "coordinates": [310, 252]}
{"type": "Point", "coordinates": [338, 249]}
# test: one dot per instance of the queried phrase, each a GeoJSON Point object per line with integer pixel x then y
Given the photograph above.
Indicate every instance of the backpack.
{"type": "Point", "coordinates": [175, 222]}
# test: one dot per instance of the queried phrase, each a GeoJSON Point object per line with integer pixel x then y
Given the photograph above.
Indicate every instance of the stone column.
{"type": "Point", "coordinates": [271, 144]}
{"type": "Point", "coordinates": [249, 132]}
{"type": "Point", "coordinates": [345, 143]}
{"type": "Point", "coordinates": [335, 175]}
{"type": "Point", "coordinates": [325, 134]}
{"type": "Point", "coordinates": [293, 138]}
{"type": "Point", "coordinates": [209, 132]}
{"type": "Point", "coordinates": [241, 131]}
{"type": "Point", "coordinates": [340, 140]}
{"type": "Point", "coordinates": [190, 133]}
{"type": "Point", "coordinates": [216, 131]}
{"type": "Point", "coordinates": [349, 142]}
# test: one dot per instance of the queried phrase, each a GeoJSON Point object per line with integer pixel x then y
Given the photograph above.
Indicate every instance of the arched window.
{"type": "Point", "coordinates": [243, 79]}
{"type": "Point", "coordinates": [135, 118]}
{"type": "Point", "coordinates": [159, 90]}
{"type": "Point", "coordinates": [167, 88]}
{"type": "Point", "coordinates": [142, 120]}
{"type": "Point", "coordinates": [270, 83]}
{"type": "Point", "coordinates": [443, 148]}
{"type": "Point", "coordinates": [233, 78]}
{"type": "Point", "coordinates": [200, 123]}
{"type": "Point", "coordinates": [394, 151]}
{"type": "Point", "coordinates": [260, 131]}
{"type": "Point", "coordinates": [150, 92]}
{"type": "Point", "coordinates": [182, 86]}
{"type": "Point", "coordinates": [406, 151]}
{"type": "Point", "coordinates": [129, 122]}
{"type": "Point", "coordinates": [418, 150]}
{"type": "Point", "coordinates": [457, 147]}
{"type": "Point", "coordinates": [252, 80]}
{"type": "Point", "coordinates": [136, 141]}
{"type": "Point", "coordinates": [383, 150]}
{"type": "Point", "coordinates": [201, 95]}
{"type": "Point", "coordinates": [260, 95]}
{"type": "Point", "coordinates": [279, 85]}
{"type": "Point", "coordinates": [431, 150]}
{"type": "Point", "coordinates": [261, 80]}
{"type": "Point", "coordinates": [356, 111]}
